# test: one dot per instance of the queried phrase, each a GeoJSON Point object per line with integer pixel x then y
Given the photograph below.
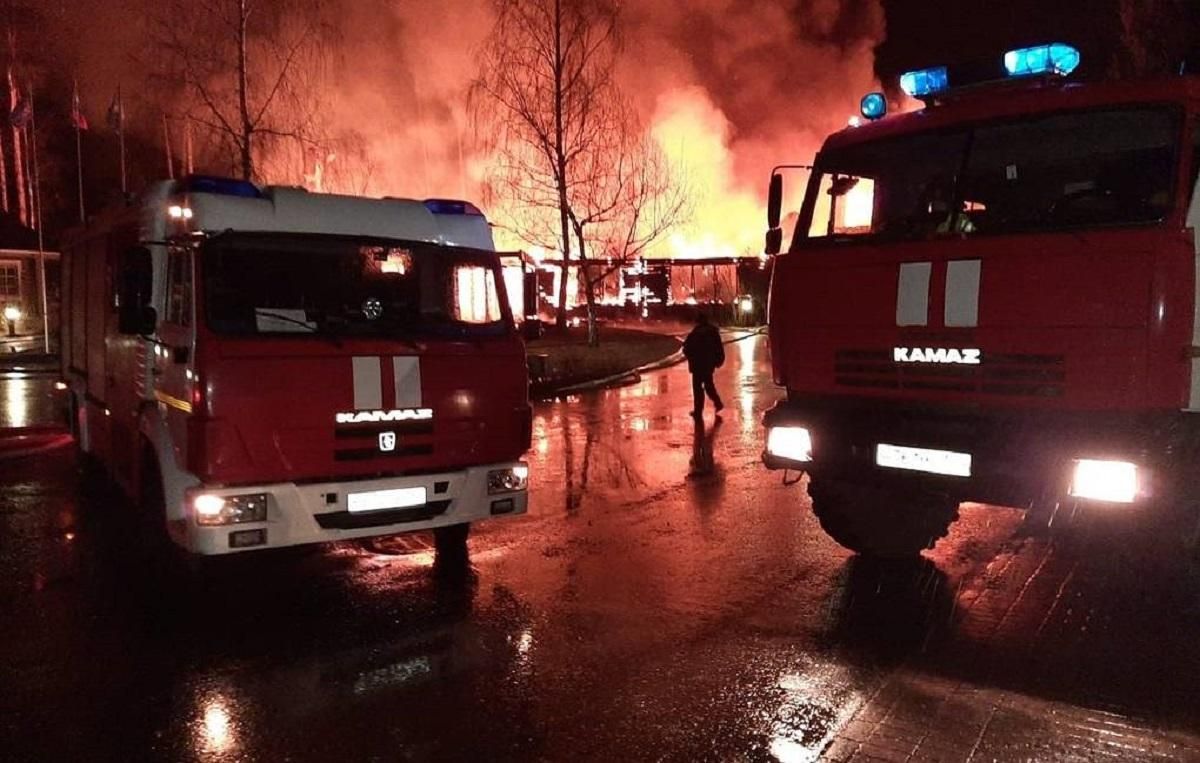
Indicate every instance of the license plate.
{"type": "Point", "coordinates": [923, 460]}
{"type": "Point", "coordinates": [378, 500]}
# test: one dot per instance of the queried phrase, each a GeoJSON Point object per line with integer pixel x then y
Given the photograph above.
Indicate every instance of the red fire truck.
{"type": "Point", "coordinates": [992, 299]}
{"type": "Point", "coordinates": [265, 367]}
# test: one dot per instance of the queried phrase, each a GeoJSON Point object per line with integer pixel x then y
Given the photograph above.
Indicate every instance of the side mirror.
{"type": "Point", "coordinates": [774, 207]}
{"type": "Point", "coordinates": [135, 285]}
{"type": "Point", "coordinates": [774, 201]}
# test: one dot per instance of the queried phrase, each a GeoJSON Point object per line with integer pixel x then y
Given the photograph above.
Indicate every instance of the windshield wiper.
{"type": "Point", "coordinates": [313, 327]}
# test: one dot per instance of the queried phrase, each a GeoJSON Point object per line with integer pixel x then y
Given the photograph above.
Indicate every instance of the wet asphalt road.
{"type": "Point", "coordinates": [651, 606]}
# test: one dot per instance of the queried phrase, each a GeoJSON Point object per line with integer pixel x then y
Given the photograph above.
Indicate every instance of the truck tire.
{"type": "Point", "coordinates": [450, 544]}
{"type": "Point", "coordinates": [878, 521]}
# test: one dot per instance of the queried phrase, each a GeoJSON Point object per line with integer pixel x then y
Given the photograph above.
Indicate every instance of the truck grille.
{"type": "Point", "coordinates": [1012, 375]}
{"type": "Point", "coordinates": [358, 442]}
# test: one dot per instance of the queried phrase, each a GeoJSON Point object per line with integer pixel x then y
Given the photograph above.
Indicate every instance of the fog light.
{"type": "Point", "coordinates": [247, 538]}
{"type": "Point", "coordinates": [790, 443]}
{"type": "Point", "coordinates": [230, 509]}
{"type": "Point", "coordinates": [504, 506]}
{"type": "Point", "coordinates": [508, 480]}
{"type": "Point", "coordinates": [1112, 481]}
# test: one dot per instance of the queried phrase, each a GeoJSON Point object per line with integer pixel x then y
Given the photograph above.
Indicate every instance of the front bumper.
{"type": "Point", "coordinates": [299, 514]}
{"type": "Point", "coordinates": [1017, 457]}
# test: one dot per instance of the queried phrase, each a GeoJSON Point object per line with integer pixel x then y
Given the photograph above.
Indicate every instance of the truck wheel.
{"type": "Point", "coordinates": [878, 521]}
{"type": "Point", "coordinates": [451, 543]}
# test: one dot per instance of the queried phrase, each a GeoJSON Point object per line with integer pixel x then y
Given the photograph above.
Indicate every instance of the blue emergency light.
{"type": "Point", "coordinates": [925, 82]}
{"type": "Point", "coordinates": [222, 186]}
{"type": "Point", "coordinates": [1056, 58]}
{"type": "Point", "coordinates": [452, 207]}
{"type": "Point", "coordinates": [874, 106]}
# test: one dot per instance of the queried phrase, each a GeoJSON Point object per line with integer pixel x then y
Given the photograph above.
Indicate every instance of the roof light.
{"type": "Point", "coordinates": [1055, 58]}
{"type": "Point", "coordinates": [923, 82]}
{"type": "Point", "coordinates": [874, 106]}
{"type": "Point", "coordinates": [219, 186]}
{"type": "Point", "coordinates": [452, 207]}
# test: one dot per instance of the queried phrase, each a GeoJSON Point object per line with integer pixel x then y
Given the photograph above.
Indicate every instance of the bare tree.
{"type": "Point", "coordinates": [627, 197]}
{"type": "Point", "coordinates": [545, 73]}
{"type": "Point", "coordinates": [246, 70]}
{"type": "Point", "coordinates": [1154, 37]}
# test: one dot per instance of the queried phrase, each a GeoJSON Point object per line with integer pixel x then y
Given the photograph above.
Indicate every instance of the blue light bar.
{"type": "Point", "coordinates": [219, 185]}
{"type": "Point", "coordinates": [925, 82]}
{"type": "Point", "coordinates": [1056, 58]}
{"type": "Point", "coordinates": [874, 106]}
{"type": "Point", "coordinates": [452, 207]}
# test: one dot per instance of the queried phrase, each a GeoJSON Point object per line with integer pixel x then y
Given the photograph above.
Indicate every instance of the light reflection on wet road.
{"type": "Point", "coordinates": [666, 598]}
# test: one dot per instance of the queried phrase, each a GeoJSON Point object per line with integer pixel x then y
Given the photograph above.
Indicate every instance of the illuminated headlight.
{"type": "Point", "coordinates": [791, 443]}
{"type": "Point", "coordinates": [1112, 481]}
{"type": "Point", "coordinates": [229, 509]}
{"type": "Point", "coordinates": [508, 480]}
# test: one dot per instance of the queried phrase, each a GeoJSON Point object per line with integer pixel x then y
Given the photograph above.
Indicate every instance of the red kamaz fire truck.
{"type": "Point", "coordinates": [265, 367]}
{"type": "Point", "coordinates": [992, 299]}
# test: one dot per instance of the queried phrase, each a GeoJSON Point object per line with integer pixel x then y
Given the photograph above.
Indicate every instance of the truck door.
{"type": "Point", "coordinates": [174, 353]}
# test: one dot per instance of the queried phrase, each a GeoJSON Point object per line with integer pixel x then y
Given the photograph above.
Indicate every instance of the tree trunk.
{"type": "Point", "coordinates": [560, 320]}
{"type": "Point", "coordinates": [246, 138]}
{"type": "Point", "coordinates": [589, 290]}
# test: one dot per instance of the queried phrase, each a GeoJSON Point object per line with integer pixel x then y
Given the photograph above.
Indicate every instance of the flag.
{"type": "Point", "coordinates": [116, 113]}
{"type": "Point", "coordinates": [21, 114]}
{"type": "Point", "coordinates": [78, 120]}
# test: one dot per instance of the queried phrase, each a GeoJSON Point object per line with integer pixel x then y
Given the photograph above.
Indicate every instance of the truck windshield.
{"type": "Point", "coordinates": [273, 284]}
{"type": "Point", "coordinates": [1095, 168]}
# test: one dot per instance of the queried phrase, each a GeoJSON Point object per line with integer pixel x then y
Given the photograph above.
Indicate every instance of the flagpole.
{"type": "Point", "coordinates": [77, 122]}
{"type": "Point", "coordinates": [167, 143]}
{"type": "Point", "coordinates": [121, 139]}
{"type": "Point", "coordinates": [37, 190]}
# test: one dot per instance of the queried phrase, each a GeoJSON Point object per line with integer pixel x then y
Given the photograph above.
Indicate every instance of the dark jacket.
{"type": "Point", "coordinates": [703, 349]}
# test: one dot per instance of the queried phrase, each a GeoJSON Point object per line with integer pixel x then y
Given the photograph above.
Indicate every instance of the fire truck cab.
{"type": "Point", "coordinates": [992, 299]}
{"type": "Point", "coordinates": [266, 367]}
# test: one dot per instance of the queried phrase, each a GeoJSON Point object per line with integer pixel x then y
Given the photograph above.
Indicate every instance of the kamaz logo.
{"type": "Point", "coordinates": [379, 417]}
{"type": "Point", "coordinates": [942, 355]}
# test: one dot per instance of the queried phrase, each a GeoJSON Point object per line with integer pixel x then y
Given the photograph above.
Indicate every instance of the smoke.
{"type": "Point", "coordinates": [729, 88]}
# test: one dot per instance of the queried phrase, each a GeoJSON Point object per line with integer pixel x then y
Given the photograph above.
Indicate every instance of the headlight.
{"type": "Point", "coordinates": [1112, 481]}
{"type": "Point", "coordinates": [790, 443]}
{"type": "Point", "coordinates": [508, 480]}
{"type": "Point", "coordinates": [229, 509]}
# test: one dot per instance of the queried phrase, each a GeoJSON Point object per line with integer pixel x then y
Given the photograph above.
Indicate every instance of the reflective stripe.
{"type": "Point", "coordinates": [912, 294]}
{"type": "Point", "coordinates": [962, 293]}
{"type": "Point", "coordinates": [407, 373]}
{"type": "Point", "coordinates": [172, 402]}
{"type": "Point", "coordinates": [368, 383]}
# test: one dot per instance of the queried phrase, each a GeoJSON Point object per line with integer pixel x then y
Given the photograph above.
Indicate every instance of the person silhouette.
{"type": "Point", "coordinates": [705, 353]}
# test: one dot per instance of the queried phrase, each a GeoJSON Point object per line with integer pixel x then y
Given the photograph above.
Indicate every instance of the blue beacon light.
{"type": "Point", "coordinates": [1056, 58]}
{"type": "Point", "coordinates": [925, 82]}
{"type": "Point", "coordinates": [873, 106]}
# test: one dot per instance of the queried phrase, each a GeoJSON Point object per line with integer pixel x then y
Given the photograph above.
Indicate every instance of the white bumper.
{"type": "Point", "coordinates": [318, 513]}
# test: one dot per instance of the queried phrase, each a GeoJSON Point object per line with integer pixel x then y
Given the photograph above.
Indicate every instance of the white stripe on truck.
{"type": "Point", "coordinates": [368, 383]}
{"type": "Point", "coordinates": [407, 372]}
{"type": "Point", "coordinates": [912, 294]}
{"type": "Point", "coordinates": [962, 293]}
